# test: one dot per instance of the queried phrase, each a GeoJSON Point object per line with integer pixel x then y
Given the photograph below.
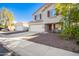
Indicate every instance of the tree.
{"type": "Point", "coordinates": [70, 19]}
{"type": "Point", "coordinates": [6, 17]}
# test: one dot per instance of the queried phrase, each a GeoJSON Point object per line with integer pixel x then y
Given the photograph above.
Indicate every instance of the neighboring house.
{"type": "Point", "coordinates": [45, 19]}
{"type": "Point", "coordinates": [21, 26]}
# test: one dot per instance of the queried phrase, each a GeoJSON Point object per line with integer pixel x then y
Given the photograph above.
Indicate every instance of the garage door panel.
{"type": "Point", "coordinates": [37, 28]}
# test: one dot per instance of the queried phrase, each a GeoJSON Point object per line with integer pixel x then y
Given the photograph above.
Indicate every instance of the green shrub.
{"type": "Point", "coordinates": [71, 33]}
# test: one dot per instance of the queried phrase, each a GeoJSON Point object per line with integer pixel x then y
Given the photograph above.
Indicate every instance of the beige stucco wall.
{"type": "Point", "coordinates": [46, 19]}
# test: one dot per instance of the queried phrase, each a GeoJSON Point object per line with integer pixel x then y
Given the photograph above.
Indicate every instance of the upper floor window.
{"type": "Point", "coordinates": [52, 12]}
{"type": "Point", "coordinates": [38, 17]}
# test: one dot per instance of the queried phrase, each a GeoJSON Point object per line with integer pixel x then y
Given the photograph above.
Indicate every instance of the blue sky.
{"type": "Point", "coordinates": [22, 11]}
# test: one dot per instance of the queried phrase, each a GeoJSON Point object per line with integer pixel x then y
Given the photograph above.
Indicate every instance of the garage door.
{"type": "Point", "coordinates": [19, 28]}
{"type": "Point", "coordinates": [37, 28]}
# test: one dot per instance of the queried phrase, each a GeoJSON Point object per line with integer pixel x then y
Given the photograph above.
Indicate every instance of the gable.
{"type": "Point", "coordinates": [43, 8]}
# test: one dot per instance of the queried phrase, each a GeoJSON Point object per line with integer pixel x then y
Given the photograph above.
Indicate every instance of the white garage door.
{"type": "Point", "coordinates": [37, 28]}
{"type": "Point", "coordinates": [19, 28]}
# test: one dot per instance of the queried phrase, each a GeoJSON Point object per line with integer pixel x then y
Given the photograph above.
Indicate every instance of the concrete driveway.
{"type": "Point", "coordinates": [27, 48]}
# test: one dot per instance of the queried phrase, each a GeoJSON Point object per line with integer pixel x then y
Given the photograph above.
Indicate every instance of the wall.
{"type": "Point", "coordinates": [46, 19]}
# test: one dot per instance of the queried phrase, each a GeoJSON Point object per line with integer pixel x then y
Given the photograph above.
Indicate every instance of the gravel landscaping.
{"type": "Point", "coordinates": [54, 40]}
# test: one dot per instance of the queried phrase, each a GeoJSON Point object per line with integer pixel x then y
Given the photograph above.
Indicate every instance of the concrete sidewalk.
{"type": "Point", "coordinates": [27, 48]}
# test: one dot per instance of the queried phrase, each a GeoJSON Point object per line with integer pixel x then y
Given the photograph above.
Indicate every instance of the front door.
{"type": "Point", "coordinates": [48, 27]}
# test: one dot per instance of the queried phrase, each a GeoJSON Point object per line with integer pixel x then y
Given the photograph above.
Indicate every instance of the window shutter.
{"type": "Point", "coordinates": [35, 17]}
{"type": "Point", "coordinates": [48, 13]}
{"type": "Point", "coordinates": [40, 16]}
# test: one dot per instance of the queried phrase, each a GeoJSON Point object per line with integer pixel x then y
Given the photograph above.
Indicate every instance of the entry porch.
{"type": "Point", "coordinates": [53, 27]}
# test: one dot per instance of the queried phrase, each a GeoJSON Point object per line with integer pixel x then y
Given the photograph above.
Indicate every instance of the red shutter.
{"type": "Point", "coordinates": [40, 16]}
{"type": "Point", "coordinates": [48, 14]}
{"type": "Point", "coordinates": [35, 17]}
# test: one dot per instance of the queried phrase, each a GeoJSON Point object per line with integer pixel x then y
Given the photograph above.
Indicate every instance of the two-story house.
{"type": "Point", "coordinates": [45, 19]}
